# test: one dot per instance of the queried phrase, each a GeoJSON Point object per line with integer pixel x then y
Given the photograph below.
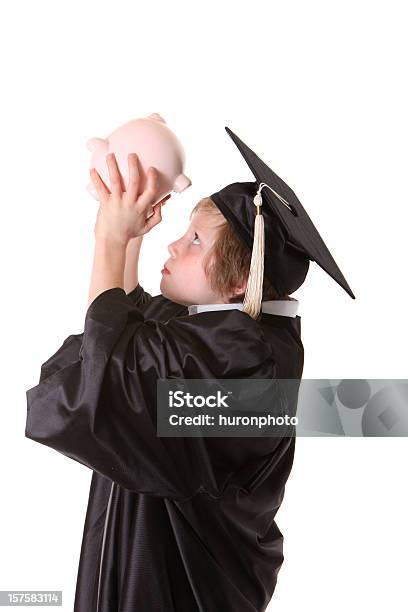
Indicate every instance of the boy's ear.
{"type": "Point", "coordinates": [240, 288]}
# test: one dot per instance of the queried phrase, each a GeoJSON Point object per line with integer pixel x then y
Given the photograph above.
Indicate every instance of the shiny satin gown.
{"type": "Point", "coordinates": [172, 524]}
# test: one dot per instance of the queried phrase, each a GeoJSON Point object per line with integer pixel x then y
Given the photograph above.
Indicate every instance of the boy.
{"type": "Point", "coordinates": [173, 523]}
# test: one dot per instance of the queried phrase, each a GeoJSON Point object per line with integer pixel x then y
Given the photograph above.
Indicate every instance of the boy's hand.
{"type": "Point", "coordinates": [123, 215]}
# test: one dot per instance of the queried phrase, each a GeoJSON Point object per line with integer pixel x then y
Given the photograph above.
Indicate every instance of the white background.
{"type": "Point", "coordinates": [319, 91]}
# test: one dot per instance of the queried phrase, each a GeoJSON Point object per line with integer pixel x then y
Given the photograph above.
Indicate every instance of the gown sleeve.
{"type": "Point", "coordinates": [139, 296]}
{"type": "Point", "coordinates": [69, 350]}
{"type": "Point", "coordinates": [96, 399]}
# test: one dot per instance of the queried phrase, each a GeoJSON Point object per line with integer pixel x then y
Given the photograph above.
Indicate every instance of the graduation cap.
{"type": "Point", "coordinates": [269, 218]}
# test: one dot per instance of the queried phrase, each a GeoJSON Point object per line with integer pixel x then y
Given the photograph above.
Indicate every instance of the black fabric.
{"type": "Point", "coordinates": [189, 521]}
{"type": "Point", "coordinates": [291, 238]}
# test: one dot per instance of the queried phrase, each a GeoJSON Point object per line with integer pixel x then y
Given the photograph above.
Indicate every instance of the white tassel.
{"type": "Point", "coordinates": [253, 295]}
{"type": "Point", "coordinates": [252, 303]}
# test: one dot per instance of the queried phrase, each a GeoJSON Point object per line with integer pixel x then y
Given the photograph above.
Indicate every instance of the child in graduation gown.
{"type": "Point", "coordinates": [176, 523]}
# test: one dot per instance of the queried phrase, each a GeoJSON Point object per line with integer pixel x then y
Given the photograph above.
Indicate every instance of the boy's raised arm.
{"type": "Point", "coordinates": [131, 275]}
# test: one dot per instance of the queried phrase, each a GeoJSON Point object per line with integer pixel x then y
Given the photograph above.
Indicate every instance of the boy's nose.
{"type": "Point", "coordinates": [174, 247]}
{"type": "Point", "coordinates": [171, 249]}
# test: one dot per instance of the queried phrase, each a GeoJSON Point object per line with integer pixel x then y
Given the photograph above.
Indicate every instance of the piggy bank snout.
{"type": "Point", "coordinates": [181, 183]}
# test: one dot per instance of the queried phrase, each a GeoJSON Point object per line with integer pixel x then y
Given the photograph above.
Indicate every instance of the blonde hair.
{"type": "Point", "coordinates": [227, 263]}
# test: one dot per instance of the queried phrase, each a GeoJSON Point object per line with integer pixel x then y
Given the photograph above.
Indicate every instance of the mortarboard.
{"type": "Point", "coordinates": [269, 218]}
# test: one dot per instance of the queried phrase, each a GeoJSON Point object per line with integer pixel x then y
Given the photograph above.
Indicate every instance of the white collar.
{"type": "Point", "coordinates": [284, 308]}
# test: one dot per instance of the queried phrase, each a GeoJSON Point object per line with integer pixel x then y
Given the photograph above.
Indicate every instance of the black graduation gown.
{"type": "Point", "coordinates": [172, 524]}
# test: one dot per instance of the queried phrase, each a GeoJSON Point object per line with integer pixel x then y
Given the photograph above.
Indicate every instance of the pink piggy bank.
{"type": "Point", "coordinates": [155, 145]}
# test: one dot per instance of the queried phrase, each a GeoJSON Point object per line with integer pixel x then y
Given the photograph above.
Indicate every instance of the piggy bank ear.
{"type": "Point", "coordinates": [98, 145]}
{"type": "Point", "coordinates": [156, 117]}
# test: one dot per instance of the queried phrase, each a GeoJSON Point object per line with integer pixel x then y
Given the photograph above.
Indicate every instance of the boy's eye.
{"type": "Point", "coordinates": [196, 237]}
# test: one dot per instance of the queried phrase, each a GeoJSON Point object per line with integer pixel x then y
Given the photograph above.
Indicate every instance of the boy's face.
{"type": "Point", "coordinates": [187, 283]}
